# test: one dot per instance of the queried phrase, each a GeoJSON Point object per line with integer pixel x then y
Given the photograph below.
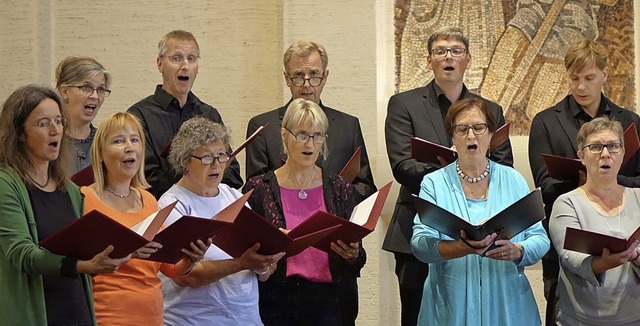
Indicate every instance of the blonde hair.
{"type": "Point", "coordinates": [303, 49]}
{"type": "Point", "coordinates": [73, 70]}
{"type": "Point", "coordinates": [301, 112]}
{"type": "Point", "coordinates": [583, 53]}
{"type": "Point", "coordinates": [116, 121]}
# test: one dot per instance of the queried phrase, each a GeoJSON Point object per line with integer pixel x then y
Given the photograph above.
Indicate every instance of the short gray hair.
{"type": "Point", "coordinates": [596, 125]}
{"type": "Point", "coordinates": [194, 133]}
{"type": "Point", "coordinates": [304, 49]}
{"type": "Point", "coordinates": [179, 35]}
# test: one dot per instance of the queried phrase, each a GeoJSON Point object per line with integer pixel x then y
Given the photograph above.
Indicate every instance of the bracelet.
{"type": "Point", "coordinates": [521, 248]}
{"type": "Point", "coordinates": [262, 272]}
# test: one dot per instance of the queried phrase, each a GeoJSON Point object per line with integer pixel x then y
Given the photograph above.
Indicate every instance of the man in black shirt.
{"type": "Point", "coordinates": [173, 103]}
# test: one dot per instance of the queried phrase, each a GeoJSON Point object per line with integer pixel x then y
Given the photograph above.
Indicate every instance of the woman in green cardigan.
{"type": "Point", "coordinates": [36, 199]}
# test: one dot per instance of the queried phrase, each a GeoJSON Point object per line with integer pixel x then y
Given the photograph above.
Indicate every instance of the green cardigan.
{"type": "Point", "coordinates": [22, 262]}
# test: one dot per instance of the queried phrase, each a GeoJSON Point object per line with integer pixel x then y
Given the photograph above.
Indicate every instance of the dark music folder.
{"type": "Point", "coordinates": [514, 219]}
{"type": "Point", "coordinates": [248, 140]}
{"type": "Point", "coordinates": [362, 222]}
{"type": "Point", "coordinates": [84, 177]}
{"type": "Point", "coordinates": [352, 169]}
{"type": "Point", "coordinates": [592, 243]}
{"type": "Point", "coordinates": [631, 142]}
{"type": "Point", "coordinates": [499, 137]}
{"type": "Point", "coordinates": [563, 168]}
{"type": "Point", "coordinates": [94, 231]}
{"type": "Point", "coordinates": [428, 152]}
{"type": "Point", "coordinates": [248, 227]}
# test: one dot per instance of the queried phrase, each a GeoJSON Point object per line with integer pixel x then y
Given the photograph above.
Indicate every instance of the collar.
{"type": "Point", "coordinates": [283, 109]}
{"type": "Point", "coordinates": [575, 109]}
{"type": "Point", "coordinates": [166, 100]}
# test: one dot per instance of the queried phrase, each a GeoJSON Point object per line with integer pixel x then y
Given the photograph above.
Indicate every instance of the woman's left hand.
{"type": "Point", "coordinates": [197, 250]}
{"type": "Point", "coordinates": [504, 250]}
{"type": "Point", "coordinates": [347, 251]}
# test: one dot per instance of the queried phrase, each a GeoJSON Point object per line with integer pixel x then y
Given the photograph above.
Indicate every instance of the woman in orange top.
{"type": "Point", "coordinates": [133, 294]}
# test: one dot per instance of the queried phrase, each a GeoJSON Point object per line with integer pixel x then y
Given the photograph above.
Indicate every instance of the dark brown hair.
{"type": "Point", "coordinates": [468, 104]}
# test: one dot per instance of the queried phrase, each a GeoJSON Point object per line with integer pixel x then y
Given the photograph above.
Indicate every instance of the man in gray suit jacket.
{"type": "Point", "coordinates": [306, 73]}
{"type": "Point", "coordinates": [420, 112]}
{"type": "Point", "coordinates": [554, 131]}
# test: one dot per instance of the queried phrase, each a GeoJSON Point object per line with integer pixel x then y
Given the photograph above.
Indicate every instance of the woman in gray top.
{"type": "Point", "coordinates": [598, 289]}
{"type": "Point", "coordinates": [83, 83]}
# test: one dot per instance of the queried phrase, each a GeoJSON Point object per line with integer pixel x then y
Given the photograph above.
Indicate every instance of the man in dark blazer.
{"type": "Point", "coordinates": [554, 131]}
{"type": "Point", "coordinates": [306, 73]}
{"type": "Point", "coordinates": [420, 112]}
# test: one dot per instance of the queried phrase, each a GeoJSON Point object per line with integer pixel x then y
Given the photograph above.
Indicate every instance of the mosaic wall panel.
{"type": "Point", "coordinates": [518, 47]}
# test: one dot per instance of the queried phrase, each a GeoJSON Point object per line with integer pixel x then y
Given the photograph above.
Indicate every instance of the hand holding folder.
{"type": "Point", "coordinates": [94, 231]}
{"type": "Point", "coordinates": [514, 219]}
{"type": "Point", "coordinates": [592, 243]}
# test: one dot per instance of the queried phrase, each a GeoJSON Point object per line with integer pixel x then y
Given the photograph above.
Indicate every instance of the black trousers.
{"type": "Point", "coordinates": [550, 272]}
{"type": "Point", "coordinates": [411, 274]}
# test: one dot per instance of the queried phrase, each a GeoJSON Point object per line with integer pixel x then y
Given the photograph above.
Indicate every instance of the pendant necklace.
{"type": "Point", "coordinates": [303, 194]}
{"type": "Point", "coordinates": [119, 195]}
{"type": "Point", "coordinates": [36, 183]}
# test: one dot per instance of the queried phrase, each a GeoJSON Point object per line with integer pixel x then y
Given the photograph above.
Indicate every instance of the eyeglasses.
{"type": "Point", "coordinates": [442, 52]}
{"type": "Point", "coordinates": [191, 59]}
{"type": "Point", "coordinates": [303, 137]}
{"type": "Point", "coordinates": [313, 81]}
{"type": "Point", "coordinates": [598, 148]}
{"type": "Point", "coordinates": [463, 130]}
{"type": "Point", "coordinates": [47, 123]}
{"type": "Point", "coordinates": [209, 159]}
{"type": "Point", "coordinates": [88, 90]}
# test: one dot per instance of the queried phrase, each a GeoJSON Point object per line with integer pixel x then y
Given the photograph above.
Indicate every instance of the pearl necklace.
{"type": "Point", "coordinates": [470, 179]}
{"type": "Point", "coordinates": [119, 195]}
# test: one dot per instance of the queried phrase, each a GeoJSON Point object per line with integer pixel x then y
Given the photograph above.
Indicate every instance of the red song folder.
{"type": "Point", "coordinates": [248, 227]}
{"type": "Point", "coordinates": [592, 243]}
{"type": "Point", "coordinates": [352, 169]}
{"type": "Point", "coordinates": [362, 222]}
{"type": "Point", "coordinates": [94, 231]}
{"type": "Point", "coordinates": [84, 177]}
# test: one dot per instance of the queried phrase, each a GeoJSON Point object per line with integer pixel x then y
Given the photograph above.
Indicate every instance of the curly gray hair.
{"type": "Point", "coordinates": [194, 133]}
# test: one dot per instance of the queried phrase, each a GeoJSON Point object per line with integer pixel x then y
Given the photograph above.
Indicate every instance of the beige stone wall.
{"type": "Point", "coordinates": [240, 72]}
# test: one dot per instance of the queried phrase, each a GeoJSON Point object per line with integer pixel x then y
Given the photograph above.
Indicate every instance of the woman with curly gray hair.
{"type": "Point", "coordinates": [220, 290]}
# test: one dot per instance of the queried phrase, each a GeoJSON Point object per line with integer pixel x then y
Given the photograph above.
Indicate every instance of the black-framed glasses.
{"type": "Point", "coordinates": [442, 52]}
{"type": "Point", "coordinates": [88, 90]}
{"type": "Point", "coordinates": [303, 137]}
{"type": "Point", "coordinates": [598, 148]}
{"type": "Point", "coordinates": [463, 130]}
{"type": "Point", "coordinates": [299, 81]}
{"type": "Point", "coordinates": [177, 58]}
{"type": "Point", "coordinates": [47, 123]}
{"type": "Point", "coordinates": [209, 159]}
